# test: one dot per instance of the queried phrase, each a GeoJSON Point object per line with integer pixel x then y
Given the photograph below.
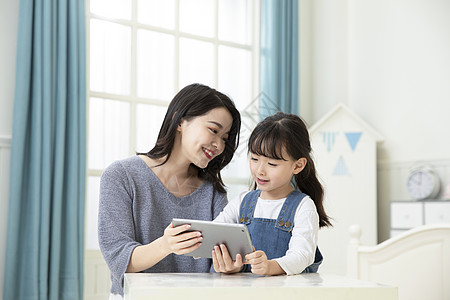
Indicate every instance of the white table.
{"type": "Point", "coordinates": [195, 286]}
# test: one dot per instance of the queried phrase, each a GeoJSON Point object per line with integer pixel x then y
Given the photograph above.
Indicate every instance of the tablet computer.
{"type": "Point", "coordinates": [234, 236]}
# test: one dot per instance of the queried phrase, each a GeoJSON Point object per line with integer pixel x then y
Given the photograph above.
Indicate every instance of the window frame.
{"type": "Point", "coordinates": [133, 99]}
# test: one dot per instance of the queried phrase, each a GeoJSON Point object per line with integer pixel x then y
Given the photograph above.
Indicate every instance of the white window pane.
{"type": "Point", "coordinates": [235, 21]}
{"type": "Point", "coordinates": [110, 57]}
{"type": "Point", "coordinates": [148, 122]}
{"type": "Point", "coordinates": [109, 132]}
{"type": "Point", "coordinates": [197, 17]}
{"type": "Point", "coordinates": [249, 119]}
{"type": "Point", "coordinates": [235, 74]}
{"type": "Point", "coordinates": [155, 65]}
{"type": "Point", "coordinates": [238, 167]}
{"type": "Point", "coordinates": [115, 9]}
{"type": "Point", "coordinates": [93, 190]}
{"type": "Point", "coordinates": [160, 13]}
{"type": "Point", "coordinates": [196, 62]}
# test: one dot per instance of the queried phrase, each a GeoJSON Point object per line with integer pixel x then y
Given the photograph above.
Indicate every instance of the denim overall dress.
{"type": "Point", "coordinates": [273, 235]}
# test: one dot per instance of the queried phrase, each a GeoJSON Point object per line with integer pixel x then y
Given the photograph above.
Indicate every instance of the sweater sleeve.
{"type": "Point", "coordinates": [116, 234]}
{"type": "Point", "coordinates": [220, 200]}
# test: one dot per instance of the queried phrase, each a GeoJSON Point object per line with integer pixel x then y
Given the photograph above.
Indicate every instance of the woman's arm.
{"type": "Point", "coordinates": [116, 231]}
{"type": "Point", "coordinates": [173, 241]}
{"type": "Point", "coordinates": [116, 235]}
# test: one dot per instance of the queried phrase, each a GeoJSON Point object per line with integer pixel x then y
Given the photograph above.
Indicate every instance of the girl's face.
{"type": "Point", "coordinates": [203, 137]}
{"type": "Point", "coordinates": [273, 176]}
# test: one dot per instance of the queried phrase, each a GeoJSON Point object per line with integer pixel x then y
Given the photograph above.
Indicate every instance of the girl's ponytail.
{"type": "Point", "coordinates": [307, 182]}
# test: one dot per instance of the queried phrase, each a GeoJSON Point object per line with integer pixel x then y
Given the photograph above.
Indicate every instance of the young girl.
{"type": "Point", "coordinates": [285, 212]}
{"type": "Point", "coordinates": [179, 177]}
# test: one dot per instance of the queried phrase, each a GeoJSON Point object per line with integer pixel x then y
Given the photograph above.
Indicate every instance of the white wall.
{"type": "Point", "coordinates": [389, 61]}
{"type": "Point", "coordinates": [400, 73]}
{"type": "Point", "coordinates": [8, 34]}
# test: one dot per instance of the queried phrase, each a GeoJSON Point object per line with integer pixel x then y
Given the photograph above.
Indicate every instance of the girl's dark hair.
{"type": "Point", "coordinates": [192, 101]}
{"type": "Point", "coordinates": [288, 131]}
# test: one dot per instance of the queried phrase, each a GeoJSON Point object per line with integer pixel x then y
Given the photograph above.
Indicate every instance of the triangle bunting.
{"type": "Point", "coordinates": [341, 168]}
{"type": "Point", "coordinates": [329, 138]}
{"type": "Point", "coordinates": [353, 139]}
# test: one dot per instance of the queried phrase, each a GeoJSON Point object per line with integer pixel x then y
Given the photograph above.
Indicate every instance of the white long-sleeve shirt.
{"type": "Point", "coordinates": [303, 243]}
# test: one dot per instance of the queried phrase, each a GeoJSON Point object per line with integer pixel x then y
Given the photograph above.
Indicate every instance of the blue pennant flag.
{"type": "Point", "coordinates": [341, 168]}
{"type": "Point", "coordinates": [353, 138]}
{"type": "Point", "coordinates": [329, 138]}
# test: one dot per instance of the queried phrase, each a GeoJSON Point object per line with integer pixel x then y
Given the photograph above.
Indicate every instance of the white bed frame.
{"type": "Point", "coordinates": [416, 261]}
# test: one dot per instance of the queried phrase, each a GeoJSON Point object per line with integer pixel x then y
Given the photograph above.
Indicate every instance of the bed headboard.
{"type": "Point", "coordinates": [417, 261]}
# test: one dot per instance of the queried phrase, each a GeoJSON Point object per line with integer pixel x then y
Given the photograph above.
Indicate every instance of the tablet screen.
{"type": "Point", "coordinates": [234, 236]}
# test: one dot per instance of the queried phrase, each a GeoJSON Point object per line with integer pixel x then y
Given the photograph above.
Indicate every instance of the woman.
{"type": "Point", "coordinates": [179, 177]}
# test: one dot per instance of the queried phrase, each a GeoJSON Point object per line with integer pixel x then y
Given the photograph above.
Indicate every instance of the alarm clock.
{"type": "Point", "coordinates": [423, 183]}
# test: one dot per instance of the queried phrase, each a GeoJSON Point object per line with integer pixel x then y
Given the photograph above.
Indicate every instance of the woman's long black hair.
{"type": "Point", "coordinates": [192, 101]}
{"type": "Point", "coordinates": [288, 131]}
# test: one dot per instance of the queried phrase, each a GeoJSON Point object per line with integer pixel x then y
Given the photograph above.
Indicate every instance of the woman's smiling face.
{"type": "Point", "coordinates": [203, 137]}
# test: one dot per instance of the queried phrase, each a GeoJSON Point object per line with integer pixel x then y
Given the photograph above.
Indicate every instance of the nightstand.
{"type": "Point", "coordinates": [409, 214]}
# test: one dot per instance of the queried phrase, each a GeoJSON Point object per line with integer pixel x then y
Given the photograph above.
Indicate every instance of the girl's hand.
{"type": "Point", "coordinates": [174, 241]}
{"type": "Point", "coordinates": [259, 262]}
{"type": "Point", "coordinates": [222, 260]}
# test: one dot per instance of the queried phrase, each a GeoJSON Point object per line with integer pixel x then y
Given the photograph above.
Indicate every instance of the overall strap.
{"type": "Point", "coordinates": [248, 205]}
{"type": "Point", "coordinates": [285, 220]}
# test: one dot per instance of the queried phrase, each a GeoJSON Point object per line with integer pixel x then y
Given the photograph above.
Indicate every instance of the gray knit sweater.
{"type": "Point", "coordinates": [134, 210]}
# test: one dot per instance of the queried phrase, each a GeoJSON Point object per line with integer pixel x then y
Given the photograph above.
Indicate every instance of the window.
{"type": "Point", "coordinates": [141, 53]}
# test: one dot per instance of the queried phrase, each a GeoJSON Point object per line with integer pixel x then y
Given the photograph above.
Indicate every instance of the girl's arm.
{"type": "Point", "coordinates": [263, 266]}
{"type": "Point", "coordinates": [230, 213]}
{"type": "Point", "coordinates": [303, 243]}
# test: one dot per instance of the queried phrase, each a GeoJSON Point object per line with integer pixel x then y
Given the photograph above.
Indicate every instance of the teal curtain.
{"type": "Point", "coordinates": [45, 235]}
{"type": "Point", "coordinates": [279, 57]}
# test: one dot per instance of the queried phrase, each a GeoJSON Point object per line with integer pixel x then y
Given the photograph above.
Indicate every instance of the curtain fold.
{"type": "Point", "coordinates": [279, 57]}
{"type": "Point", "coordinates": [45, 235]}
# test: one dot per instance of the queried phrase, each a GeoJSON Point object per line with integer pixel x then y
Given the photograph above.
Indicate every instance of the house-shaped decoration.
{"type": "Point", "coordinates": [344, 151]}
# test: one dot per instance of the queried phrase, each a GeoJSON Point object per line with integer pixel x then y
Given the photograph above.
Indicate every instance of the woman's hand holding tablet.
{"type": "Point", "coordinates": [234, 236]}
